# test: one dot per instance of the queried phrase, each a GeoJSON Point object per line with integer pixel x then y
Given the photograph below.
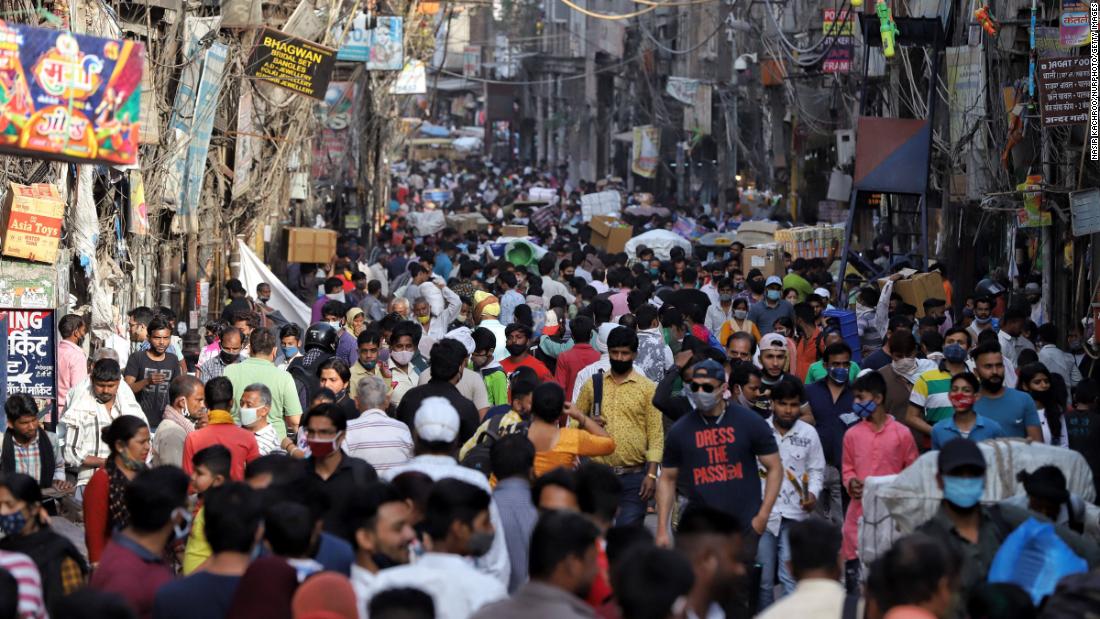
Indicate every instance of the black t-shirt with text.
{"type": "Point", "coordinates": [153, 398]}
{"type": "Point", "coordinates": [716, 459]}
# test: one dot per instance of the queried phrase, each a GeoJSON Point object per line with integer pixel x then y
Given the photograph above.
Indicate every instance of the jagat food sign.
{"type": "Point", "coordinates": [295, 64]}
{"type": "Point", "coordinates": [69, 96]}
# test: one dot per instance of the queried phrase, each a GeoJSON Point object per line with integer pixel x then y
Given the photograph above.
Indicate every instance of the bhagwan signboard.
{"type": "Point", "coordinates": [69, 96]}
{"type": "Point", "coordinates": [292, 63]}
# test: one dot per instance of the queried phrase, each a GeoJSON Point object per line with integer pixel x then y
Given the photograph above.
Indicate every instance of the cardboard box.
{"type": "Point", "coordinates": [33, 216]}
{"type": "Point", "coordinates": [918, 287]}
{"type": "Point", "coordinates": [467, 222]}
{"type": "Point", "coordinates": [517, 231]}
{"type": "Point", "coordinates": [767, 259]}
{"type": "Point", "coordinates": [610, 234]}
{"type": "Point", "coordinates": [310, 245]}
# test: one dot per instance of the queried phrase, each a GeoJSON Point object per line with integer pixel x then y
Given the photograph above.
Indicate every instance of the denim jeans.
{"type": "Point", "coordinates": [773, 554]}
{"type": "Point", "coordinates": [631, 507]}
{"type": "Point", "coordinates": [830, 505]}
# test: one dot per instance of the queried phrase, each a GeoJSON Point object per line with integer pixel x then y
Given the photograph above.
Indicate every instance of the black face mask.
{"type": "Point", "coordinates": [757, 286]}
{"type": "Point", "coordinates": [621, 366]}
{"type": "Point", "coordinates": [382, 560]}
{"type": "Point", "coordinates": [228, 358]}
{"type": "Point", "coordinates": [516, 349]}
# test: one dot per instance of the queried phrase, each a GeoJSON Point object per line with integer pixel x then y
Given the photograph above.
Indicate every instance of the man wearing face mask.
{"type": "Point", "coordinates": [519, 352]}
{"type": "Point", "coordinates": [334, 291]}
{"type": "Point", "coordinates": [229, 354]}
{"type": "Point", "coordinates": [368, 364]}
{"type": "Point", "coordinates": [983, 317]}
{"type": "Point", "coordinates": [458, 526]}
{"type": "Point", "coordinates": [221, 430]}
{"type": "Point", "coordinates": [936, 309]}
{"type": "Point", "coordinates": [975, 532]}
{"type": "Point", "coordinates": [903, 372]}
{"type": "Point", "coordinates": [772, 308]}
{"type": "Point", "coordinates": [346, 346]}
{"type": "Point", "coordinates": [341, 475]}
{"type": "Point", "coordinates": [255, 406]}
{"type": "Point", "coordinates": [563, 551]}
{"type": "Point", "coordinates": [72, 363]}
{"type": "Point", "coordinates": [184, 414]}
{"type": "Point", "coordinates": [928, 401]}
{"type": "Point", "coordinates": [831, 402]}
{"type": "Point", "coordinates": [719, 471]}
{"type": "Point", "coordinates": [132, 565]}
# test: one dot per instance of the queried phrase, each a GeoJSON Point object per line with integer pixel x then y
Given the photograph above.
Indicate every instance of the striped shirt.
{"type": "Point", "coordinates": [930, 393]}
{"type": "Point", "coordinates": [267, 440]}
{"type": "Point", "coordinates": [379, 439]}
{"type": "Point", "coordinates": [25, 572]}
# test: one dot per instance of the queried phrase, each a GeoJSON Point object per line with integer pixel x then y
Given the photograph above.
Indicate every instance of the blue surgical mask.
{"type": "Point", "coordinates": [964, 492]}
{"type": "Point", "coordinates": [954, 353]}
{"type": "Point", "coordinates": [290, 351]}
{"type": "Point", "coordinates": [839, 376]}
{"type": "Point", "coordinates": [864, 409]}
{"type": "Point", "coordinates": [983, 321]}
{"type": "Point", "coordinates": [773, 295]}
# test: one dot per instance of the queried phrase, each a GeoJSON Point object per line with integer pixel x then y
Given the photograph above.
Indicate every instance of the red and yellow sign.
{"type": "Point", "coordinates": [35, 214]}
{"type": "Point", "coordinates": [69, 96]}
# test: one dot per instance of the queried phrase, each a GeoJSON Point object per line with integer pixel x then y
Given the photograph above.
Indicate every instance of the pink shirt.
{"type": "Point", "coordinates": [72, 367]}
{"type": "Point", "coordinates": [618, 303]}
{"type": "Point", "coordinates": [869, 453]}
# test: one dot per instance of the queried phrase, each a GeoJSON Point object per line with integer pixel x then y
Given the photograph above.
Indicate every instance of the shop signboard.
{"type": "Point", "coordinates": [295, 64]}
{"type": "Point", "coordinates": [69, 96]}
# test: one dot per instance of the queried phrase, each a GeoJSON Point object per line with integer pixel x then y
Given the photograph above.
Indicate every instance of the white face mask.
{"type": "Point", "coordinates": [248, 416]}
{"type": "Point", "coordinates": [402, 357]}
{"type": "Point", "coordinates": [337, 296]}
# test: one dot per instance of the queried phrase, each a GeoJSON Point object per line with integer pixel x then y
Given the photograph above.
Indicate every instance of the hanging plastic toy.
{"type": "Point", "coordinates": [887, 28]}
{"type": "Point", "coordinates": [986, 19]}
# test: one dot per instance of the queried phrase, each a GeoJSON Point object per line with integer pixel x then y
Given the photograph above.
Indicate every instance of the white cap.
{"type": "Point", "coordinates": [464, 336]}
{"type": "Point", "coordinates": [773, 281]}
{"type": "Point", "coordinates": [821, 292]}
{"type": "Point", "coordinates": [773, 340]}
{"type": "Point", "coordinates": [436, 420]}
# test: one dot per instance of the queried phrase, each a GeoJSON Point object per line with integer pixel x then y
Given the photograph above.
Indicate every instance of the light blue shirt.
{"type": "Point", "coordinates": [1014, 410]}
{"type": "Point", "coordinates": [945, 430]}
{"type": "Point", "coordinates": [508, 304]}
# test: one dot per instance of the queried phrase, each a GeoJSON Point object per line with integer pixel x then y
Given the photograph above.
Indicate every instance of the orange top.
{"type": "Point", "coordinates": [572, 443]}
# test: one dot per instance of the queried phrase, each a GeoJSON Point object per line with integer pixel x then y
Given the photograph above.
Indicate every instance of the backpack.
{"type": "Point", "coordinates": [477, 457]}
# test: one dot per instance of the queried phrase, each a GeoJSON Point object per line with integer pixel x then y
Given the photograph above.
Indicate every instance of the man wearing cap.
{"type": "Point", "coordinates": [774, 358]}
{"type": "Point", "coordinates": [436, 436]}
{"type": "Point", "coordinates": [772, 307]}
{"type": "Point", "coordinates": [975, 532]}
{"type": "Point", "coordinates": [717, 449]}
{"type": "Point", "coordinates": [519, 352]}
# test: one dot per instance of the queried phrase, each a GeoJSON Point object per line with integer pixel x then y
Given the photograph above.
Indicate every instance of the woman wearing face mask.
{"type": "Point", "coordinates": [965, 423]}
{"type": "Point", "coordinates": [104, 509]}
{"type": "Point", "coordinates": [26, 529]}
{"type": "Point", "coordinates": [739, 322]}
{"type": "Point", "coordinates": [325, 428]}
{"type": "Point", "coordinates": [1035, 380]}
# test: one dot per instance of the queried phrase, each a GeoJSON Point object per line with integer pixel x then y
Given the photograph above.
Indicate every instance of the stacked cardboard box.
{"type": "Point", "coordinates": [310, 245]}
{"type": "Point", "coordinates": [610, 234]}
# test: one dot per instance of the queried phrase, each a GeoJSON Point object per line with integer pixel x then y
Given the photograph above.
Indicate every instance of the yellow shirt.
{"type": "Point", "coordinates": [632, 420]}
{"type": "Point", "coordinates": [198, 549]}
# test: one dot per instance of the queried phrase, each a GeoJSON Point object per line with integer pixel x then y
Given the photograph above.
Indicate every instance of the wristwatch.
{"type": "Point", "coordinates": [652, 476]}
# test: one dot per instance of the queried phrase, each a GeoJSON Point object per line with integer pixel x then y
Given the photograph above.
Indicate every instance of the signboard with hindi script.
{"type": "Point", "coordinates": [32, 351]}
{"type": "Point", "coordinates": [294, 64]}
{"type": "Point", "coordinates": [69, 96]}
{"type": "Point", "coordinates": [1064, 90]}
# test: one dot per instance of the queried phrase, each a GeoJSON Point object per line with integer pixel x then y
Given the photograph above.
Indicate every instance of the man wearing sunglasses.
{"type": "Point", "coordinates": [717, 447]}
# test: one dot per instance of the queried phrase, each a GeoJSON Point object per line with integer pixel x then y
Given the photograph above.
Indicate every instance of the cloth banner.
{"type": "Point", "coordinates": [254, 271]}
{"type": "Point", "coordinates": [647, 147]}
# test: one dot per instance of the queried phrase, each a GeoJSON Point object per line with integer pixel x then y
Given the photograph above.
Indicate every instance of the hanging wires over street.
{"type": "Point", "coordinates": [649, 4]}
{"type": "Point", "coordinates": [678, 52]}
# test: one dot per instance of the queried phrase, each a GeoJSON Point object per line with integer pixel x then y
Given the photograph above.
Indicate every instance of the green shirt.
{"type": "Point", "coordinates": [817, 372]}
{"type": "Point", "coordinates": [930, 393]}
{"type": "Point", "coordinates": [496, 385]}
{"type": "Point", "coordinates": [799, 283]}
{"type": "Point", "coordinates": [284, 396]}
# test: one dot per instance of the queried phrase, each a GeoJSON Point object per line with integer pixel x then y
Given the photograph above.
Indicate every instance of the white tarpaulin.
{"type": "Point", "coordinates": [254, 271]}
{"type": "Point", "coordinates": [603, 203]}
{"type": "Point", "coordinates": [660, 241]}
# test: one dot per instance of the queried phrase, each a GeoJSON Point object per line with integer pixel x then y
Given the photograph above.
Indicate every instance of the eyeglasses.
{"type": "Point", "coordinates": [705, 387]}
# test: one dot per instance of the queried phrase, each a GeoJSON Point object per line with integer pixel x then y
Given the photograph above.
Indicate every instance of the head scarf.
{"type": "Point", "coordinates": [328, 592]}
{"type": "Point", "coordinates": [350, 319]}
{"type": "Point", "coordinates": [485, 306]}
{"type": "Point", "coordinates": [265, 591]}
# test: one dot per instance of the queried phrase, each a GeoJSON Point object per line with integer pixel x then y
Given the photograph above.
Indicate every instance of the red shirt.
{"type": "Point", "coordinates": [132, 572]}
{"type": "Point", "coordinates": [528, 361]}
{"type": "Point", "coordinates": [240, 442]}
{"type": "Point", "coordinates": [571, 362]}
{"type": "Point", "coordinates": [96, 518]}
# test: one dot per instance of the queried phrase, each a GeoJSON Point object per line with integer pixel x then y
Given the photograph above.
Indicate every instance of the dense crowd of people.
{"type": "Point", "coordinates": [645, 435]}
